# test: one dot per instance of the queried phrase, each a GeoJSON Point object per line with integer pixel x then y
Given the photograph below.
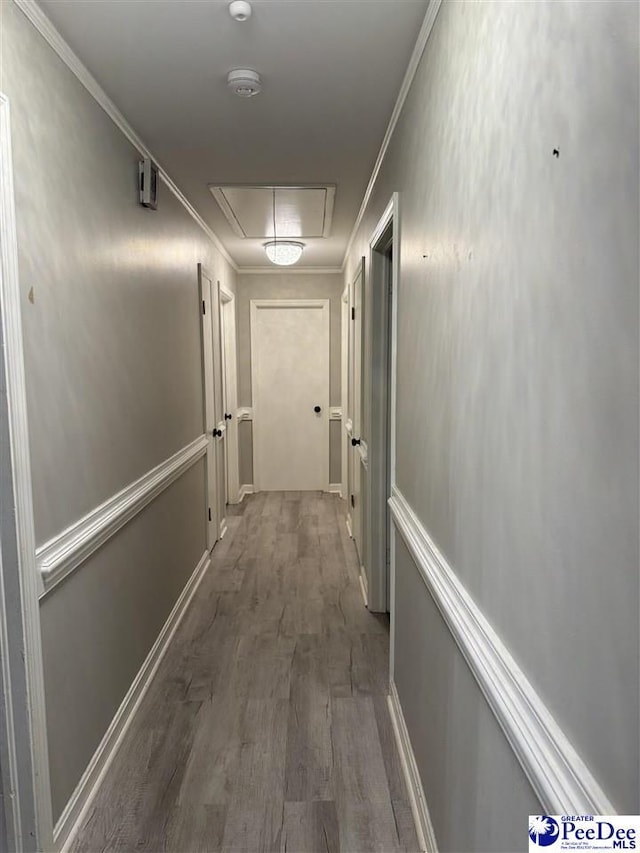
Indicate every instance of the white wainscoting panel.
{"type": "Point", "coordinates": [69, 549]}
{"type": "Point", "coordinates": [558, 775]}
{"type": "Point", "coordinates": [421, 817]}
{"type": "Point", "coordinates": [76, 809]}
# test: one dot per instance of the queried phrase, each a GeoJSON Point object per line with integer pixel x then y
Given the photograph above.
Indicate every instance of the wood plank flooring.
{"type": "Point", "coordinates": [266, 727]}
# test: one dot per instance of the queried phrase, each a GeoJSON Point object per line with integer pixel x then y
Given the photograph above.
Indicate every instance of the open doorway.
{"type": "Point", "coordinates": [383, 271]}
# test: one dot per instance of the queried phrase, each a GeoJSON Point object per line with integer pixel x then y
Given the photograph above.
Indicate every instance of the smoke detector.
{"type": "Point", "coordinates": [240, 10]}
{"type": "Point", "coordinates": [244, 82]}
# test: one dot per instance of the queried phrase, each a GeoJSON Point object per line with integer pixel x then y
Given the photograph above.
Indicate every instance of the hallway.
{"type": "Point", "coordinates": [266, 726]}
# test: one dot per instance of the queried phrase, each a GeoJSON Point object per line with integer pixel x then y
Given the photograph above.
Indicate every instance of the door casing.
{"type": "Point", "coordinates": [382, 396]}
{"type": "Point", "coordinates": [212, 404]}
{"type": "Point", "coordinates": [230, 393]}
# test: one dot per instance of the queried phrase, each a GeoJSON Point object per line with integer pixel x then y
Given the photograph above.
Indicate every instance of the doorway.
{"type": "Point", "coordinates": [381, 381]}
{"type": "Point", "coordinates": [214, 422]}
{"type": "Point", "coordinates": [290, 390]}
{"type": "Point", "coordinates": [357, 449]}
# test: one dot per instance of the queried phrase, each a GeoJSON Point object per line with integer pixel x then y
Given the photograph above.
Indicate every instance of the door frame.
{"type": "Point", "coordinates": [357, 427]}
{"type": "Point", "coordinates": [345, 433]}
{"type": "Point", "coordinates": [23, 730]}
{"type": "Point", "coordinates": [382, 435]}
{"type": "Point", "coordinates": [209, 414]}
{"type": "Point", "coordinates": [255, 306]}
{"type": "Point", "coordinates": [230, 374]}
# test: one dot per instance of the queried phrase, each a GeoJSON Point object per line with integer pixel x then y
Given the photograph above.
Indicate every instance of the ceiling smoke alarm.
{"type": "Point", "coordinates": [244, 82]}
{"type": "Point", "coordinates": [240, 10]}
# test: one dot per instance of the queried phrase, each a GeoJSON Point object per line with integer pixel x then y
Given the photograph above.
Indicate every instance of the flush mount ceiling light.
{"type": "Point", "coordinates": [244, 82]}
{"type": "Point", "coordinates": [283, 252]}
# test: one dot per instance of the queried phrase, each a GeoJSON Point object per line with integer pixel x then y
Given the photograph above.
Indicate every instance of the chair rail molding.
{"type": "Point", "coordinates": [62, 554]}
{"type": "Point", "coordinates": [558, 775]}
{"type": "Point", "coordinates": [244, 413]}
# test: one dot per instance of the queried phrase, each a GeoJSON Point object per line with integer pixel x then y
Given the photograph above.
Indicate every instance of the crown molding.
{"type": "Point", "coordinates": [414, 62]}
{"type": "Point", "coordinates": [55, 40]}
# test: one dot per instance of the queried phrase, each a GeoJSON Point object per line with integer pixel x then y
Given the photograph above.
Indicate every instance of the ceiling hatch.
{"type": "Point", "coordinates": [298, 211]}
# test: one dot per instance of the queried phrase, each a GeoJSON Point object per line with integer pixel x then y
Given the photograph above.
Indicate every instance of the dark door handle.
{"type": "Point", "coordinates": [217, 432]}
{"type": "Point", "coordinates": [228, 417]}
{"type": "Point", "coordinates": [355, 441]}
{"type": "Point", "coordinates": [317, 409]}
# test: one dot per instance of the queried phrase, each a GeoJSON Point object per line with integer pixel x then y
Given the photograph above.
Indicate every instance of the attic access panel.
{"type": "Point", "coordinates": [299, 211]}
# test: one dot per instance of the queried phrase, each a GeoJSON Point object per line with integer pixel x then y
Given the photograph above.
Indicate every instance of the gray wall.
{"type": "Point", "coordinates": [287, 286]}
{"type": "Point", "coordinates": [518, 386]}
{"type": "Point", "coordinates": [112, 352]}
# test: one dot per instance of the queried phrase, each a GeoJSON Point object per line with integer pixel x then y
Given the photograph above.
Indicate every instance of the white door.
{"type": "Point", "coordinates": [357, 446]}
{"type": "Point", "coordinates": [209, 420]}
{"type": "Point", "coordinates": [290, 388]}
{"type": "Point", "coordinates": [221, 423]}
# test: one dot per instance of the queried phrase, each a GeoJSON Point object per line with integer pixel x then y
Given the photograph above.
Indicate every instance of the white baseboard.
{"type": "Point", "coordinates": [364, 586]}
{"type": "Point", "coordinates": [76, 809]}
{"type": "Point", "coordinates": [246, 489]}
{"type": "Point", "coordinates": [335, 489]}
{"type": "Point", "coordinates": [349, 529]}
{"type": "Point", "coordinates": [419, 809]}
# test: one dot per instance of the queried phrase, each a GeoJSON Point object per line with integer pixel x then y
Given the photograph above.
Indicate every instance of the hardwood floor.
{"type": "Point", "coordinates": [266, 727]}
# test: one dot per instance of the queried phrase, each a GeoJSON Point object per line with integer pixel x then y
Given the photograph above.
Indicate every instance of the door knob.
{"type": "Point", "coordinates": [317, 409]}
{"type": "Point", "coordinates": [355, 441]}
{"type": "Point", "coordinates": [227, 417]}
{"type": "Point", "coordinates": [216, 432]}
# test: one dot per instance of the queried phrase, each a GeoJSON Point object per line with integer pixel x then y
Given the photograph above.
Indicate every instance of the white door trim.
{"type": "Point", "coordinates": [344, 392]}
{"type": "Point", "coordinates": [380, 351]}
{"type": "Point", "coordinates": [23, 735]}
{"type": "Point", "coordinates": [208, 406]}
{"type": "Point", "coordinates": [228, 341]}
{"type": "Point", "coordinates": [266, 304]}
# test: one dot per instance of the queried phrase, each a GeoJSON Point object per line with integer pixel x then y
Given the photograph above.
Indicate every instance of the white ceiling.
{"type": "Point", "coordinates": [331, 72]}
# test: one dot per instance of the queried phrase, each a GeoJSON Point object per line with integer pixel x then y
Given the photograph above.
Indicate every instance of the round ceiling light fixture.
{"type": "Point", "coordinates": [283, 252]}
{"type": "Point", "coordinates": [240, 10]}
{"type": "Point", "coordinates": [244, 82]}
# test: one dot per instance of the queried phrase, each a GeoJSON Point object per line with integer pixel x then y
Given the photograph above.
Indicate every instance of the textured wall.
{"type": "Point", "coordinates": [518, 356]}
{"type": "Point", "coordinates": [288, 286]}
{"type": "Point", "coordinates": [112, 353]}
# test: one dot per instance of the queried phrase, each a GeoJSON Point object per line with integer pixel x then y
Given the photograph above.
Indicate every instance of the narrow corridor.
{"type": "Point", "coordinates": [266, 727]}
